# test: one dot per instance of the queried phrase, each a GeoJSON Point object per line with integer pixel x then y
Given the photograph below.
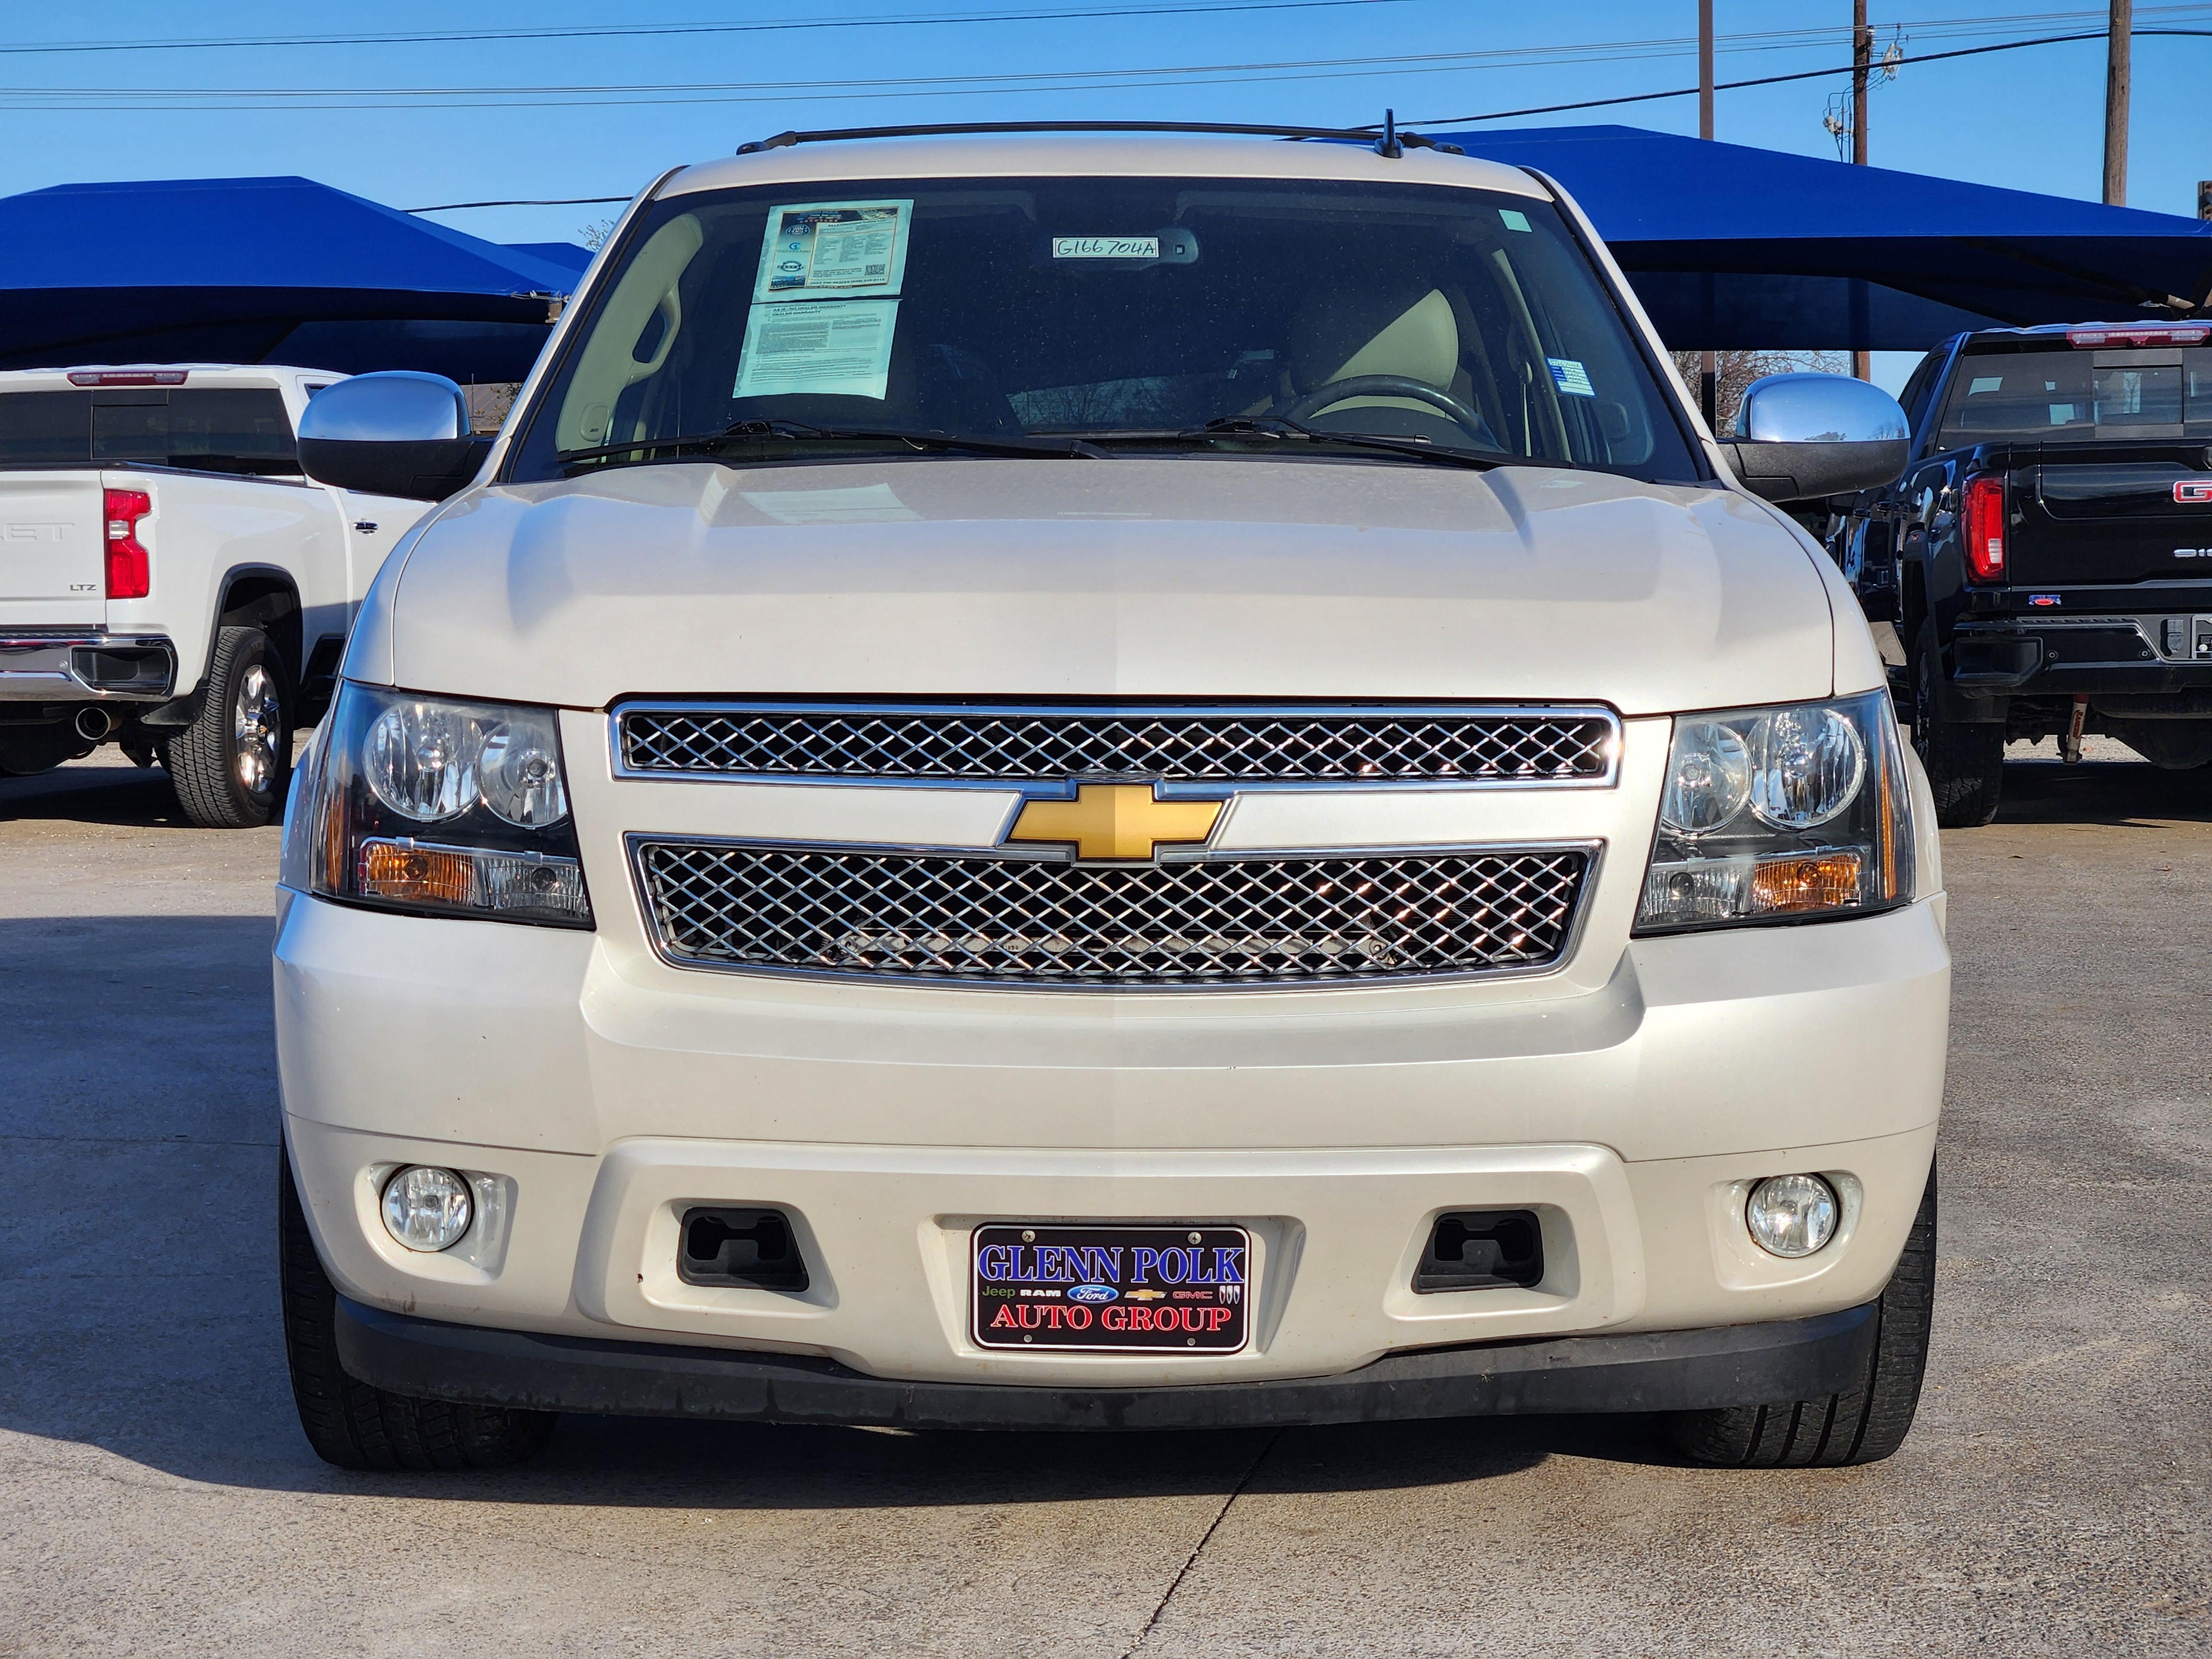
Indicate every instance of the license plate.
{"type": "Point", "coordinates": [1113, 1290]}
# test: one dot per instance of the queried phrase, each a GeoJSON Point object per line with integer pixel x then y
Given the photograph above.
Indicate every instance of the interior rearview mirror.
{"type": "Point", "coordinates": [393, 432]}
{"type": "Point", "coordinates": [1798, 437]}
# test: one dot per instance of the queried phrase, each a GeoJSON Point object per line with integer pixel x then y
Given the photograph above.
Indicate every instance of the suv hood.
{"type": "Point", "coordinates": [1113, 578]}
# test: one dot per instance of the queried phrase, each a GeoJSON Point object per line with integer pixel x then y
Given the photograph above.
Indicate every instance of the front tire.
{"type": "Point", "coordinates": [1862, 1424]}
{"type": "Point", "coordinates": [1964, 761]}
{"type": "Point", "coordinates": [359, 1427]}
{"type": "Point", "coordinates": [232, 764]}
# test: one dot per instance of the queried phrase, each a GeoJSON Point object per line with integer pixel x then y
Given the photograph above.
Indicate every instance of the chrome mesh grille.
{"type": "Point", "coordinates": [1224, 744]}
{"type": "Point", "coordinates": [980, 919]}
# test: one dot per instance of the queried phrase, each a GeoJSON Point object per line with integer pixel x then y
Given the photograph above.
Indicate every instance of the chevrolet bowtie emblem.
{"type": "Point", "coordinates": [1115, 821]}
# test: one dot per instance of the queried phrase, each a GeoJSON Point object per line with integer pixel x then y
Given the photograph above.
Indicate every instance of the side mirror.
{"type": "Point", "coordinates": [1798, 437]}
{"type": "Point", "coordinates": [393, 432]}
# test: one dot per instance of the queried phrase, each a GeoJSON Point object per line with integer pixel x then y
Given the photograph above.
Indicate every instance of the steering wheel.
{"type": "Point", "coordinates": [1390, 385]}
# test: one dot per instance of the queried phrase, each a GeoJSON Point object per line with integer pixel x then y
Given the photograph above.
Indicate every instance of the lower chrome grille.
{"type": "Point", "coordinates": [980, 919]}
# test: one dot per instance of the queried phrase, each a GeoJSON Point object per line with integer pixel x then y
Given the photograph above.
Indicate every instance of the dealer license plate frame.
{"type": "Point", "coordinates": [1055, 1332]}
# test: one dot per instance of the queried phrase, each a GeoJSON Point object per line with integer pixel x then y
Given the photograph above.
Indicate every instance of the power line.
{"type": "Point", "coordinates": [1546, 109]}
{"type": "Point", "coordinates": [537, 201]}
{"type": "Point", "coordinates": [1936, 27]}
{"type": "Point", "coordinates": [617, 31]}
{"type": "Point", "coordinates": [588, 96]}
{"type": "Point", "coordinates": [1155, 77]}
{"type": "Point", "coordinates": [1018, 80]}
{"type": "Point", "coordinates": [1800, 75]}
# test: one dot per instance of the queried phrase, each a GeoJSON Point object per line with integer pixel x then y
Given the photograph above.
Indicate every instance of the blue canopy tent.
{"type": "Point", "coordinates": [570, 258]}
{"type": "Point", "coordinates": [265, 270]}
{"type": "Point", "coordinates": [1729, 246]}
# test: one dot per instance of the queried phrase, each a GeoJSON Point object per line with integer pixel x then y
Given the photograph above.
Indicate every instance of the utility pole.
{"type": "Point", "coordinates": [1861, 61]}
{"type": "Point", "coordinates": [1704, 69]}
{"type": "Point", "coordinates": [1709, 387]}
{"type": "Point", "coordinates": [2116, 103]}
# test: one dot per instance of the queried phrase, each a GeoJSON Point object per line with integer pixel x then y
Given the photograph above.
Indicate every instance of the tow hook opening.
{"type": "Point", "coordinates": [1481, 1250]}
{"type": "Point", "coordinates": [754, 1248]}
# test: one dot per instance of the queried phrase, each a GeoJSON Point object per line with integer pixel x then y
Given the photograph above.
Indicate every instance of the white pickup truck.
{"type": "Point", "coordinates": [169, 580]}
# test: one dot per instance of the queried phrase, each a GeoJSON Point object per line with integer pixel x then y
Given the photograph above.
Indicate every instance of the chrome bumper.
{"type": "Point", "coordinates": [80, 667]}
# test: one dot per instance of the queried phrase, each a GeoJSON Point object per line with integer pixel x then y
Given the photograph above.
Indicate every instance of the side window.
{"type": "Point", "coordinates": [1916, 391]}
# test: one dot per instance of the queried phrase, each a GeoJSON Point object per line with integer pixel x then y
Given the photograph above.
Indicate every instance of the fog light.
{"type": "Point", "coordinates": [1791, 1215]}
{"type": "Point", "coordinates": [427, 1209]}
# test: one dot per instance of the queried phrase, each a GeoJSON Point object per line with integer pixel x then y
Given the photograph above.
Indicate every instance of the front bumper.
{"type": "Point", "coordinates": [1654, 1371]}
{"type": "Point", "coordinates": [71, 667]}
{"type": "Point", "coordinates": [591, 1094]}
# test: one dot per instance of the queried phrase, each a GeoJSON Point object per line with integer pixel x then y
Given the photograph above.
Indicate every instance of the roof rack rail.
{"type": "Point", "coordinates": [1389, 141]}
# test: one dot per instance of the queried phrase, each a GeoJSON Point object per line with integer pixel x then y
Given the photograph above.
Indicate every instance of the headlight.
{"type": "Point", "coordinates": [1787, 814]}
{"type": "Point", "coordinates": [440, 807]}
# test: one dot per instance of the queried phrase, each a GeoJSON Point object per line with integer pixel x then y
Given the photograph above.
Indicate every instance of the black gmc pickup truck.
{"type": "Point", "coordinates": [2047, 557]}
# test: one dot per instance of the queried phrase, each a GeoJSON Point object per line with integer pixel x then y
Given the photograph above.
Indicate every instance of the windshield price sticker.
{"type": "Point", "coordinates": [832, 347]}
{"type": "Point", "coordinates": [1112, 1290]}
{"type": "Point", "coordinates": [814, 248]}
{"type": "Point", "coordinates": [1105, 247]}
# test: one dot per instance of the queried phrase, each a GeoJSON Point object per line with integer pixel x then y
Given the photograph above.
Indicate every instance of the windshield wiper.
{"type": "Point", "coordinates": [1281, 426]}
{"type": "Point", "coordinates": [1053, 448]}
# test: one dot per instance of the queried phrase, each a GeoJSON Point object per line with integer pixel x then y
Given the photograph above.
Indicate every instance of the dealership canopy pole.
{"type": "Point", "coordinates": [1709, 392]}
{"type": "Point", "coordinates": [2116, 104]}
{"type": "Point", "coordinates": [1861, 61]}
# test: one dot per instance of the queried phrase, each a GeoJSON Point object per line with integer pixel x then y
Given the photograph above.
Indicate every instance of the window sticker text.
{"type": "Point", "coordinates": [815, 248]}
{"type": "Point", "coordinates": [1105, 247]}
{"type": "Point", "coordinates": [830, 348]}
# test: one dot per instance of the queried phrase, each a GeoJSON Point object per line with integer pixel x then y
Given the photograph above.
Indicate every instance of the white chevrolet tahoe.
{"type": "Point", "coordinates": [1109, 782]}
{"type": "Point", "coordinates": [169, 581]}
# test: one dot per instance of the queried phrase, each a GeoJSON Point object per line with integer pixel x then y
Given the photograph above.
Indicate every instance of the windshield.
{"type": "Point", "coordinates": [2058, 396]}
{"type": "Point", "coordinates": [1131, 311]}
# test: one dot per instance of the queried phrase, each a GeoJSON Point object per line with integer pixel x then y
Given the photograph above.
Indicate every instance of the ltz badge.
{"type": "Point", "coordinates": [1158, 1289]}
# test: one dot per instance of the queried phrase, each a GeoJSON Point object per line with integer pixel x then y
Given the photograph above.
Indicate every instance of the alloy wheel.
{"type": "Point", "coordinates": [256, 725]}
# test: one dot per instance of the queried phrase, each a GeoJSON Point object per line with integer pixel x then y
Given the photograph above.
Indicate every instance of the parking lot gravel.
{"type": "Point", "coordinates": [156, 1496]}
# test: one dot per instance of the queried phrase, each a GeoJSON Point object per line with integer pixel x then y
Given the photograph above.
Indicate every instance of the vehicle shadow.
{"type": "Point", "coordinates": [127, 797]}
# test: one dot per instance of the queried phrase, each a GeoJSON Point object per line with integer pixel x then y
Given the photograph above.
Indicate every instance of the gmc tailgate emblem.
{"type": "Point", "coordinates": [2193, 489]}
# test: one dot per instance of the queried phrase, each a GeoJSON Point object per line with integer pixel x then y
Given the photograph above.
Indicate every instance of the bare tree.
{"type": "Point", "coordinates": [1735, 370]}
{"type": "Point", "coordinates": [490, 402]}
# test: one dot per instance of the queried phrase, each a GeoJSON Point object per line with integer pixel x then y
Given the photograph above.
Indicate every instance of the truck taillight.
{"type": "Point", "coordinates": [1984, 519]}
{"type": "Point", "coordinates": [130, 572]}
{"type": "Point", "coordinates": [2152, 334]}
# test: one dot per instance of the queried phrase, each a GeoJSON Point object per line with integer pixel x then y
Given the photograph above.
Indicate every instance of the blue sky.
{"type": "Point", "coordinates": [2032, 119]}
